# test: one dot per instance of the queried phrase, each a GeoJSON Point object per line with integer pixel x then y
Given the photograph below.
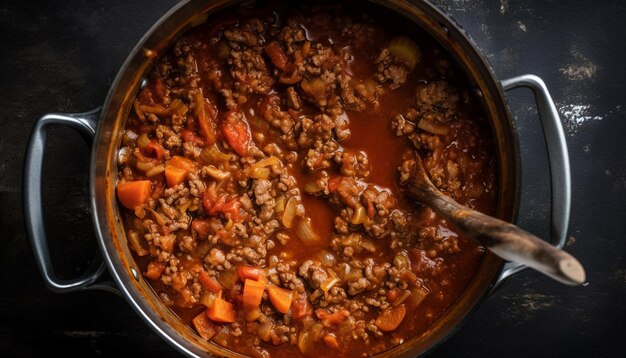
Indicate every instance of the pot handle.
{"type": "Point", "coordinates": [558, 160]}
{"type": "Point", "coordinates": [85, 124]}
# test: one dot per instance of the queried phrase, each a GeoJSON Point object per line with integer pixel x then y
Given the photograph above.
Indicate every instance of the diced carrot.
{"type": "Point", "coordinates": [209, 282]}
{"type": "Point", "coordinates": [182, 163]}
{"type": "Point", "coordinates": [330, 319]}
{"type": "Point", "coordinates": [221, 311]}
{"type": "Point", "coordinates": [331, 340]}
{"type": "Point", "coordinates": [276, 55]}
{"type": "Point", "coordinates": [253, 293]}
{"type": "Point", "coordinates": [301, 308]}
{"type": "Point", "coordinates": [203, 326]}
{"type": "Point", "coordinates": [390, 318]}
{"type": "Point", "coordinates": [206, 113]}
{"type": "Point", "coordinates": [280, 298]}
{"type": "Point", "coordinates": [251, 272]}
{"type": "Point", "coordinates": [154, 269]}
{"type": "Point", "coordinates": [174, 175]}
{"type": "Point", "coordinates": [237, 134]}
{"type": "Point", "coordinates": [189, 136]}
{"type": "Point", "coordinates": [133, 194]}
{"type": "Point", "coordinates": [177, 169]}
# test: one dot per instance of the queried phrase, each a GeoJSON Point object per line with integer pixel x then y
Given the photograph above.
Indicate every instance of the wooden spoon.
{"type": "Point", "coordinates": [504, 239]}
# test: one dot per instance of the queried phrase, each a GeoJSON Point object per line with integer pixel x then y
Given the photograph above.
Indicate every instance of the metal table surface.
{"type": "Point", "coordinates": [62, 56]}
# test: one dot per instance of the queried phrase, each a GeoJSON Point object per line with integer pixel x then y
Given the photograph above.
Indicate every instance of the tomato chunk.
{"type": "Point", "coordinates": [237, 133]}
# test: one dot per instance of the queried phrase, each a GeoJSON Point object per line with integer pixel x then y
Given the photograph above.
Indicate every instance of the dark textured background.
{"type": "Point", "coordinates": [62, 56]}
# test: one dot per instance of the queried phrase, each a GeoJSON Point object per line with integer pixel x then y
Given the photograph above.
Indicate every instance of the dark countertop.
{"type": "Point", "coordinates": [61, 56]}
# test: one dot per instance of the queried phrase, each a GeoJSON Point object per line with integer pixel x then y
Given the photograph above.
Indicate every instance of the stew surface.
{"type": "Point", "coordinates": [261, 175]}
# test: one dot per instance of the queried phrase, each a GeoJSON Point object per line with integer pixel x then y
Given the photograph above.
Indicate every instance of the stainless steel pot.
{"type": "Point", "coordinates": [103, 126]}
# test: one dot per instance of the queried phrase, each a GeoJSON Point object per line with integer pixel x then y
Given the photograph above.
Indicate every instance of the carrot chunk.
{"type": "Point", "coordinates": [280, 298]}
{"type": "Point", "coordinates": [203, 326]}
{"type": "Point", "coordinates": [390, 318]}
{"type": "Point", "coordinates": [174, 176]}
{"type": "Point", "coordinates": [209, 282]}
{"type": "Point", "coordinates": [221, 311]}
{"type": "Point", "coordinates": [154, 269]}
{"type": "Point", "coordinates": [251, 272]}
{"type": "Point", "coordinates": [177, 169]}
{"type": "Point", "coordinates": [133, 194]}
{"type": "Point", "coordinates": [253, 293]}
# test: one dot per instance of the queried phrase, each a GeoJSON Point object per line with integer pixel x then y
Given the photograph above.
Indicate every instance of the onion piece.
{"type": "Point", "coordinates": [405, 51]}
{"type": "Point", "coordinates": [280, 204]}
{"type": "Point", "coordinates": [305, 232]}
{"type": "Point", "coordinates": [265, 330]}
{"type": "Point", "coordinates": [228, 278]}
{"type": "Point", "coordinates": [432, 126]}
{"type": "Point", "coordinates": [135, 243]}
{"type": "Point", "coordinates": [260, 173]}
{"type": "Point", "coordinates": [359, 216]}
{"type": "Point", "coordinates": [266, 162]}
{"type": "Point", "coordinates": [290, 212]}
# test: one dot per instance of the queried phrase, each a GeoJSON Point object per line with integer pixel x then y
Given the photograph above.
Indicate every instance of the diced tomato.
{"type": "Point", "coordinates": [330, 319]}
{"type": "Point", "coordinates": [333, 184]}
{"type": "Point", "coordinates": [301, 308]}
{"type": "Point", "coordinates": [201, 226]}
{"type": "Point", "coordinates": [155, 150]}
{"type": "Point", "coordinates": [237, 134]}
{"type": "Point", "coordinates": [190, 137]}
{"type": "Point", "coordinates": [216, 204]}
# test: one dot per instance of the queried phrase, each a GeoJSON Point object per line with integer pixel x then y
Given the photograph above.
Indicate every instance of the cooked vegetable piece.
{"type": "Point", "coordinates": [276, 55]}
{"type": "Point", "coordinates": [331, 319]}
{"type": "Point", "coordinates": [280, 298]}
{"type": "Point", "coordinates": [155, 269]}
{"type": "Point", "coordinates": [253, 293]}
{"type": "Point", "coordinates": [237, 135]}
{"type": "Point", "coordinates": [174, 175]}
{"type": "Point", "coordinates": [405, 50]}
{"type": "Point", "coordinates": [209, 282]}
{"type": "Point", "coordinates": [203, 326]}
{"type": "Point", "coordinates": [221, 311]}
{"type": "Point", "coordinates": [133, 194]}
{"type": "Point", "coordinates": [205, 113]}
{"type": "Point", "coordinates": [390, 319]}
{"type": "Point", "coordinates": [251, 272]}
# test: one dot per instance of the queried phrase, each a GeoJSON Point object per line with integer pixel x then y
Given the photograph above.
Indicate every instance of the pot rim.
{"type": "Point", "coordinates": [107, 221]}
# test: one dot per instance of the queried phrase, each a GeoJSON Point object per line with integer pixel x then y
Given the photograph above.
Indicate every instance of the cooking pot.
{"type": "Point", "coordinates": [103, 127]}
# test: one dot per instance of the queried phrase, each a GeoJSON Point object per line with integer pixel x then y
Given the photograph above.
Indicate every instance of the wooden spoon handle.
{"type": "Point", "coordinates": [504, 239]}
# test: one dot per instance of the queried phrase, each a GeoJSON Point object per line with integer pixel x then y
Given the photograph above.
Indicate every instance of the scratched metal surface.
{"type": "Point", "coordinates": [63, 55]}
